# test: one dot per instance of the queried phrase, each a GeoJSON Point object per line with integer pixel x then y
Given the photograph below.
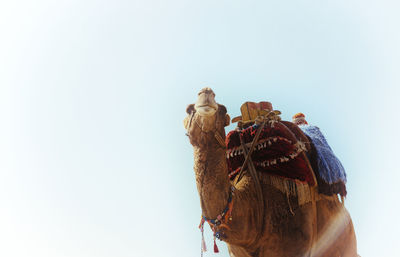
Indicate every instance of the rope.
{"type": "Point", "coordinates": [248, 154]}
{"type": "Point", "coordinates": [254, 175]}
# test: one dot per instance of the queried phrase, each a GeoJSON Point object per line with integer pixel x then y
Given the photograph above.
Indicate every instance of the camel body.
{"type": "Point", "coordinates": [286, 228]}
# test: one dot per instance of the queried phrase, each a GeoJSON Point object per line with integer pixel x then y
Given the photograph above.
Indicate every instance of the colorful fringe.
{"type": "Point", "coordinates": [289, 187]}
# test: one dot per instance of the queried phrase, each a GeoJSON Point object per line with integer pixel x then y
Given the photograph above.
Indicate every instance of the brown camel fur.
{"type": "Point", "coordinates": [288, 228]}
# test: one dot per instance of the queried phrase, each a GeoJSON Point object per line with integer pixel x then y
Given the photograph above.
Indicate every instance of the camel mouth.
{"type": "Point", "coordinates": [206, 109]}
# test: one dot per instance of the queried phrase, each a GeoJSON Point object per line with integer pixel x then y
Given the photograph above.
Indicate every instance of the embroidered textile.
{"type": "Point", "coordinates": [329, 167]}
{"type": "Point", "coordinates": [275, 153]}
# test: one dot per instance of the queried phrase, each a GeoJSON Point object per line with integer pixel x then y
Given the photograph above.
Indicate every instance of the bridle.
{"type": "Point", "coordinates": [217, 135]}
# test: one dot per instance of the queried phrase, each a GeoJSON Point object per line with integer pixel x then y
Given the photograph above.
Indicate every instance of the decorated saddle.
{"type": "Point", "coordinates": [277, 151]}
{"type": "Point", "coordinates": [294, 153]}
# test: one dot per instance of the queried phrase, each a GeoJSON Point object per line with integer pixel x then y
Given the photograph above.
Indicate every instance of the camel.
{"type": "Point", "coordinates": [275, 227]}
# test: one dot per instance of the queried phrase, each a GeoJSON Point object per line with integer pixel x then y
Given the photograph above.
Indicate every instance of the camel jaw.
{"type": "Point", "coordinates": [206, 110]}
{"type": "Point", "coordinates": [206, 104]}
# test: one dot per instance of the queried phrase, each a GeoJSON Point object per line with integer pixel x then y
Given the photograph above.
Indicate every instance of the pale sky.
{"type": "Point", "coordinates": [94, 161]}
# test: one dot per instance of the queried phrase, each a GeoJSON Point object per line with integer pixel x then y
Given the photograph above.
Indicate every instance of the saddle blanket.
{"type": "Point", "coordinates": [276, 153]}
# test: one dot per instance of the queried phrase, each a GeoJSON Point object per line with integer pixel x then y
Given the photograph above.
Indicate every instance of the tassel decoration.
{"type": "Point", "coordinates": [215, 247]}
{"type": "Point", "coordinates": [221, 221]}
{"type": "Point", "coordinates": [203, 243]}
{"type": "Point", "coordinates": [216, 250]}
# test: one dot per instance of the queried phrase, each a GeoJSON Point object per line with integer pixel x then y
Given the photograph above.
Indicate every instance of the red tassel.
{"type": "Point", "coordinates": [215, 247]}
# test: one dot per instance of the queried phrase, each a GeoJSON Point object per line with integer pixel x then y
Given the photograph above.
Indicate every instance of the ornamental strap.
{"type": "Point", "coordinates": [254, 175]}
{"type": "Point", "coordinates": [253, 144]}
{"type": "Point", "coordinates": [221, 220]}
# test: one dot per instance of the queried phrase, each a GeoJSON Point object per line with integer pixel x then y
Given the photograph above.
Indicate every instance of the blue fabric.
{"type": "Point", "coordinates": [329, 166]}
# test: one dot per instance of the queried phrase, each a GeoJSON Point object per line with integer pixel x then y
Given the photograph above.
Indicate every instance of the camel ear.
{"type": "Point", "coordinates": [190, 109]}
{"type": "Point", "coordinates": [222, 111]}
{"type": "Point", "coordinates": [227, 120]}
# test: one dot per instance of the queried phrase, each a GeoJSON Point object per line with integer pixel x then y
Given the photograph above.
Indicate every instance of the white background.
{"type": "Point", "coordinates": [94, 160]}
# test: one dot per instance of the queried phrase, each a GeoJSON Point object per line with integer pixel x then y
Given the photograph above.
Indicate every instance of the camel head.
{"type": "Point", "coordinates": [206, 120]}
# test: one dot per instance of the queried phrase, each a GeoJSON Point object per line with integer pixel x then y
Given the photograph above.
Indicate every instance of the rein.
{"type": "Point", "coordinates": [248, 154]}
{"type": "Point", "coordinates": [254, 175]}
{"type": "Point", "coordinates": [270, 118]}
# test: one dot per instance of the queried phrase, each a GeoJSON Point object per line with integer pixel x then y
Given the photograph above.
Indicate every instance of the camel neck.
{"type": "Point", "coordinates": [212, 180]}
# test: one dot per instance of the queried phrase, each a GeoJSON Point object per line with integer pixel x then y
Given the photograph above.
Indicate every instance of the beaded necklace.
{"type": "Point", "coordinates": [222, 219]}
